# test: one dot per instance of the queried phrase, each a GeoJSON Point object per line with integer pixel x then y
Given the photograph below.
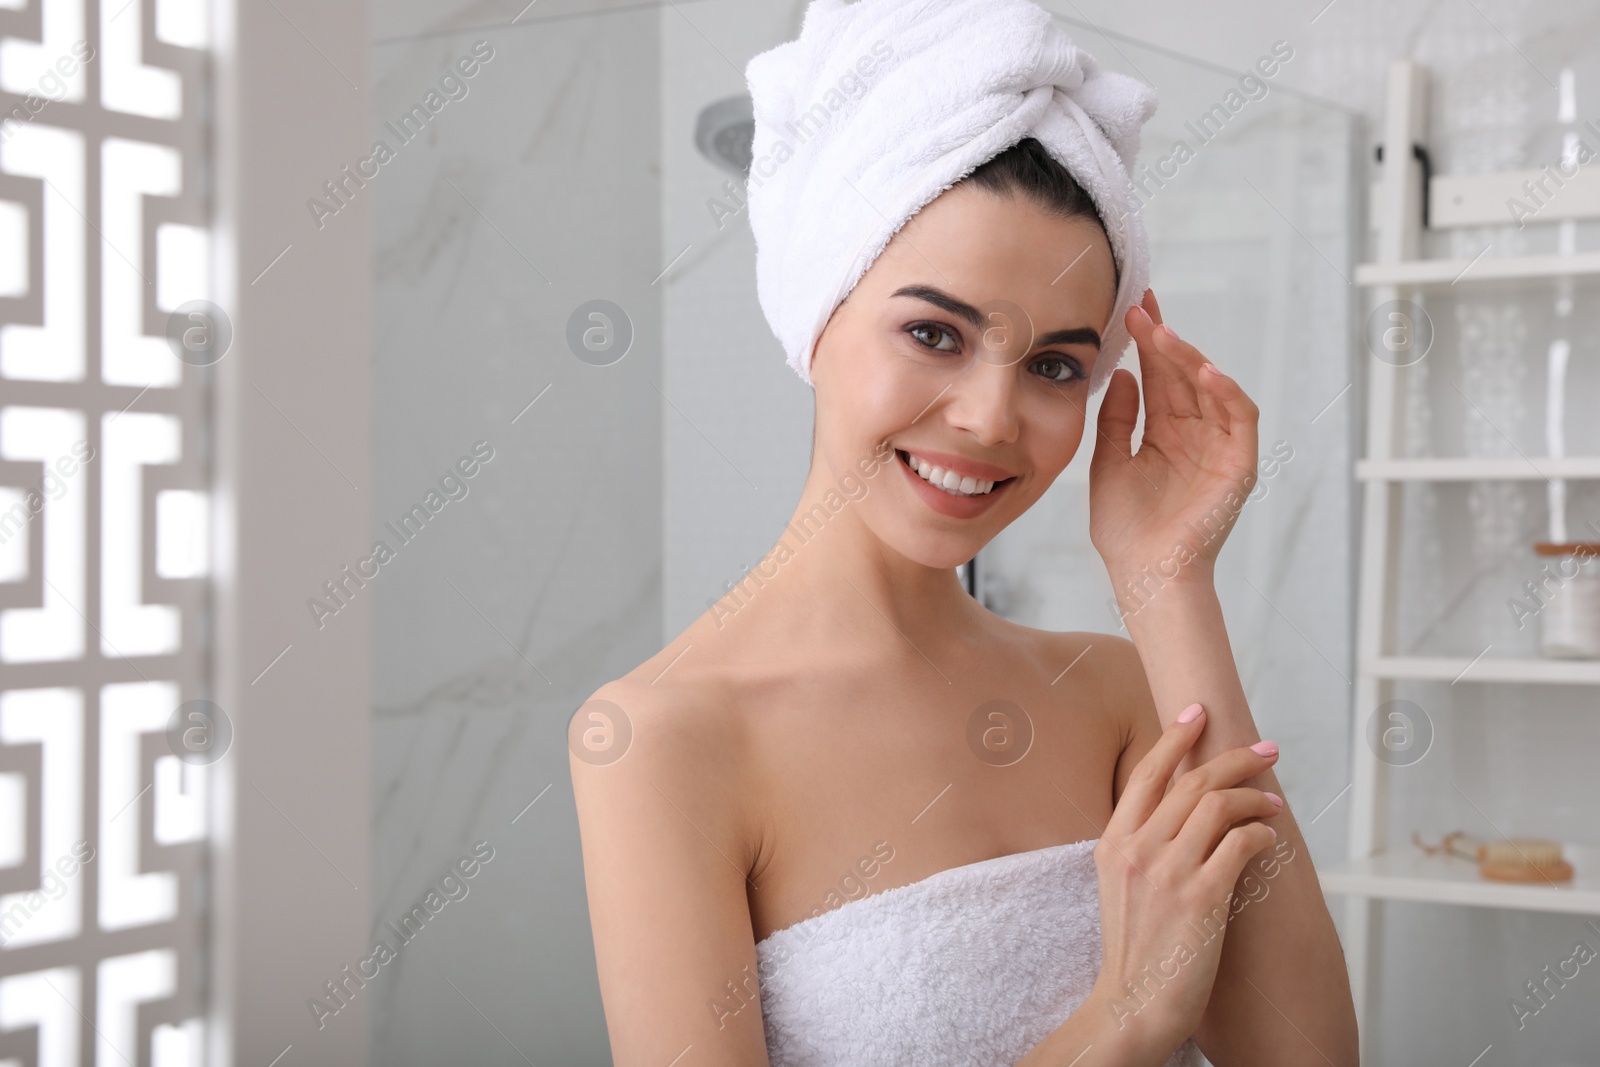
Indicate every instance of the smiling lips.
{"type": "Point", "coordinates": [953, 484]}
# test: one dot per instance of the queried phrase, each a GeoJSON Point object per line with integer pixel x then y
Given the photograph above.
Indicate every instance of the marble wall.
{"type": "Point", "coordinates": [521, 201]}
{"type": "Point", "coordinates": [739, 442]}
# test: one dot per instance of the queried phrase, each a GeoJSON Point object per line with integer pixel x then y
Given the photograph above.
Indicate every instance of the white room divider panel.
{"type": "Point", "coordinates": [106, 347]}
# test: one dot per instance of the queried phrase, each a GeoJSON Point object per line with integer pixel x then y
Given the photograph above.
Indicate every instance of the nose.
{"type": "Point", "coordinates": [983, 402]}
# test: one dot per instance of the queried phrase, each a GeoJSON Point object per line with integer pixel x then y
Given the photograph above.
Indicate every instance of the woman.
{"type": "Point", "coordinates": [849, 815]}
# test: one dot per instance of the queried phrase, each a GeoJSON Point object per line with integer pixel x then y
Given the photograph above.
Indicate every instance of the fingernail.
{"type": "Point", "coordinates": [1273, 832]}
{"type": "Point", "coordinates": [1190, 713]}
{"type": "Point", "coordinates": [1265, 748]}
{"type": "Point", "coordinates": [1171, 331]}
{"type": "Point", "coordinates": [1212, 367]}
{"type": "Point", "coordinates": [1275, 798]}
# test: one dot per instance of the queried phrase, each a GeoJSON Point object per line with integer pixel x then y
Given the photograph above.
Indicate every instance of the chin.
{"type": "Point", "coordinates": [940, 553]}
{"type": "Point", "coordinates": [916, 541]}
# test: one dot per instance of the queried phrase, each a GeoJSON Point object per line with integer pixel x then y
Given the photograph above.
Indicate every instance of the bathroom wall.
{"type": "Point", "coordinates": [738, 433]}
{"type": "Point", "coordinates": [521, 201]}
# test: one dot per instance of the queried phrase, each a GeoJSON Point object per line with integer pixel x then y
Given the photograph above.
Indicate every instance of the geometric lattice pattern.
{"type": "Point", "coordinates": [104, 441]}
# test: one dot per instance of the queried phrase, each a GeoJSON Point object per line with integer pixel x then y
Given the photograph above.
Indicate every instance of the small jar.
{"type": "Point", "coordinates": [1569, 624]}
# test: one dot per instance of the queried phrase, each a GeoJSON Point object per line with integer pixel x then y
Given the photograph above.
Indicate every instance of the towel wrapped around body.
{"type": "Point", "coordinates": [973, 965]}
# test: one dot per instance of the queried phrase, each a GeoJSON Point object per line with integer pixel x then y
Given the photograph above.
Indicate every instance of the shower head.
{"type": "Point", "coordinates": [724, 133]}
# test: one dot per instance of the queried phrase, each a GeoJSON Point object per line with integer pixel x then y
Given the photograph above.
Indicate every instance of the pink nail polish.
{"type": "Point", "coordinates": [1265, 748]}
{"type": "Point", "coordinates": [1275, 798]}
{"type": "Point", "coordinates": [1171, 331]}
{"type": "Point", "coordinates": [1190, 713]}
{"type": "Point", "coordinates": [1212, 367]}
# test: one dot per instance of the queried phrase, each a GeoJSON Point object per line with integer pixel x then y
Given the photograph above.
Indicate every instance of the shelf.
{"type": "Point", "coordinates": [1448, 272]}
{"type": "Point", "coordinates": [1463, 469]}
{"type": "Point", "coordinates": [1487, 669]}
{"type": "Point", "coordinates": [1410, 874]}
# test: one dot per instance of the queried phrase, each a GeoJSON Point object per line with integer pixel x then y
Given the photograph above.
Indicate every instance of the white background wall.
{"type": "Point", "coordinates": [535, 193]}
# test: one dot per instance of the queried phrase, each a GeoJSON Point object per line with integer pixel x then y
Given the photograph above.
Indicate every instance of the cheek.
{"type": "Point", "coordinates": [879, 393]}
{"type": "Point", "coordinates": [1056, 435]}
{"type": "Point", "coordinates": [876, 391]}
{"type": "Point", "coordinates": [1051, 442]}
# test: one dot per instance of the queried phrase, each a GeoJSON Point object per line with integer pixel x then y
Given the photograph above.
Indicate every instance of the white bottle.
{"type": "Point", "coordinates": [1569, 624]}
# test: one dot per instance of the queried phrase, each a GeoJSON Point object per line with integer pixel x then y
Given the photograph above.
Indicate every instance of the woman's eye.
{"type": "Point", "coordinates": [930, 329]}
{"type": "Point", "coordinates": [1058, 369]}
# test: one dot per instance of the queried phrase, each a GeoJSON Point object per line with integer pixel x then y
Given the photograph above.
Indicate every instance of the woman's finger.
{"type": "Point", "coordinates": [1151, 306]}
{"type": "Point", "coordinates": [1222, 771]}
{"type": "Point", "coordinates": [1167, 392]}
{"type": "Point", "coordinates": [1156, 387]}
{"type": "Point", "coordinates": [1189, 364]}
{"type": "Point", "coordinates": [1216, 813]}
{"type": "Point", "coordinates": [1237, 847]}
{"type": "Point", "coordinates": [1242, 423]}
{"type": "Point", "coordinates": [1159, 380]}
{"type": "Point", "coordinates": [1186, 355]}
{"type": "Point", "coordinates": [1212, 404]}
{"type": "Point", "coordinates": [1119, 413]}
{"type": "Point", "coordinates": [1242, 414]}
{"type": "Point", "coordinates": [1148, 782]}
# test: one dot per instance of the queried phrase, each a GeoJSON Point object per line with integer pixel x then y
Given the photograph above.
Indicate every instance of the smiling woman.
{"type": "Point", "coordinates": [1002, 341]}
{"type": "Point", "coordinates": [854, 699]}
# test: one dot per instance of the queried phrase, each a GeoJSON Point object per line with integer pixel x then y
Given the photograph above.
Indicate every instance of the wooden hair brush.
{"type": "Point", "coordinates": [1514, 859]}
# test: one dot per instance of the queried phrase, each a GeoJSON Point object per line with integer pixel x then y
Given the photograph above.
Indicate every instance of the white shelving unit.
{"type": "Point", "coordinates": [1380, 870]}
{"type": "Point", "coordinates": [1453, 670]}
{"type": "Point", "coordinates": [1410, 875]}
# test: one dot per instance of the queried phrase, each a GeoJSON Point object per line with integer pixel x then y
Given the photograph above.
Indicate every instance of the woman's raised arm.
{"type": "Point", "coordinates": [665, 858]}
{"type": "Point", "coordinates": [1158, 518]}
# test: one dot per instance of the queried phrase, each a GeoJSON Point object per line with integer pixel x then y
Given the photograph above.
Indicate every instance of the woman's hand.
{"type": "Point", "coordinates": [1170, 505]}
{"type": "Point", "coordinates": [1168, 862]}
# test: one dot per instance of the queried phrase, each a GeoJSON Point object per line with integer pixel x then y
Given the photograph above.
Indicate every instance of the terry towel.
{"type": "Point", "coordinates": [880, 105]}
{"type": "Point", "coordinates": [973, 965]}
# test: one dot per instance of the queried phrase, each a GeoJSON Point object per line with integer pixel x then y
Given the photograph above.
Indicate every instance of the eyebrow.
{"type": "Point", "coordinates": [1079, 335]}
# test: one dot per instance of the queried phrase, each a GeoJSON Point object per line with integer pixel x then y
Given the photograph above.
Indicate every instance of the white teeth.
{"type": "Point", "coordinates": [949, 481]}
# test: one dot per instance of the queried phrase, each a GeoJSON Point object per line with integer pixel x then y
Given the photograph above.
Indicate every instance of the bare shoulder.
{"type": "Point", "coordinates": [680, 740]}
{"type": "Point", "coordinates": [663, 822]}
{"type": "Point", "coordinates": [1123, 689]}
{"type": "Point", "coordinates": [1107, 675]}
{"type": "Point", "coordinates": [690, 721]}
{"type": "Point", "coordinates": [1104, 668]}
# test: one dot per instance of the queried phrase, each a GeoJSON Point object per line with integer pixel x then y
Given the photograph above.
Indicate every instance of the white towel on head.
{"type": "Point", "coordinates": [880, 105]}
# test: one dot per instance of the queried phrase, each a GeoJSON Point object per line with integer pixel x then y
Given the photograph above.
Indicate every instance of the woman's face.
{"type": "Point", "coordinates": [967, 347]}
